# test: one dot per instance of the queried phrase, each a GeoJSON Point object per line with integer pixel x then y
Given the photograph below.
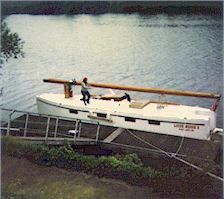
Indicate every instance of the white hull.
{"type": "Point", "coordinates": [176, 120]}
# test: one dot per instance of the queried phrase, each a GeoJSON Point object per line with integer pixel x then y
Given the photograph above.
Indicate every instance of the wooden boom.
{"type": "Point", "coordinates": [141, 89]}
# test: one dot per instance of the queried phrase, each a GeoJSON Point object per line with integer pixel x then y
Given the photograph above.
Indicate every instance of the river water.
{"type": "Point", "coordinates": [169, 52]}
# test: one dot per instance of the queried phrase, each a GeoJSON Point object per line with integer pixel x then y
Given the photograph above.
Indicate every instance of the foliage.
{"type": "Point", "coordinates": [11, 43]}
{"type": "Point", "coordinates": [128, 167]}
{"type": "Point", "coordinates": [133, 158]}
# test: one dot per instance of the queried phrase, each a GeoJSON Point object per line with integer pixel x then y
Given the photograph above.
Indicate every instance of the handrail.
{"type": "Point", "coordinates": [48, 115]}
{"type": "Point", "coordinates": [140, 89]}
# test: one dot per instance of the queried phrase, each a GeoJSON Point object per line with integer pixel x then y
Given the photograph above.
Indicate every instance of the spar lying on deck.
{"type": "Point", "coordinates": [143, 115]}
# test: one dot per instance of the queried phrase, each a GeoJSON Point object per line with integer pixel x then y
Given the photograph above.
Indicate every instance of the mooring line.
{"type": "Point", "coordinates": [137, 137]}
{"type": "Point", "coordinates": [177, 158]}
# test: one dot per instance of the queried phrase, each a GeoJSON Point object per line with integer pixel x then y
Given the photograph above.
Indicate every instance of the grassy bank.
{"type": "Point", "coordinates": [179, 183]}
{"type": "Point", "coordinates": [22, 179]}
{"type": "Point", "coordinates": [128, 168]}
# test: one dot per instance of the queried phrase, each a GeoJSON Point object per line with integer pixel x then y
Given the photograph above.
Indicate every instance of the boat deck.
{"type": "Point", "coordinates": [141, 109]}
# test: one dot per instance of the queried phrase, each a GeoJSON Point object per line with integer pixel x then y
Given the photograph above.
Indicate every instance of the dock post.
{"type": "Point", "coordinates": [9, 123]}
{"type": "Point", "coordinates": [56, 127]}
{"type": "Point", "coordinates": [97, 132]}
{"type": "Point", "coordinates": [26, 124]}
{"type": "Point", "coordinates": [47, 129]}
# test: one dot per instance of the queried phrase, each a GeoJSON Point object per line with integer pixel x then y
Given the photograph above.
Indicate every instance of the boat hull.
{"type": "Point", "coordinates": [162, 124]}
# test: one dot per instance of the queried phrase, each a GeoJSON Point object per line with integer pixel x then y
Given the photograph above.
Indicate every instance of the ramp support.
{"type": "Point", "coordinates": [113, 135]}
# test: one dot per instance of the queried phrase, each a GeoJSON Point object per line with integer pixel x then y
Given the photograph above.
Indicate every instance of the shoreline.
{"type": "Point", "coordinates": [112, 7]}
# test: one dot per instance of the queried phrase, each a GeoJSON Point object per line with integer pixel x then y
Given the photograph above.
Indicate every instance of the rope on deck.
{"type": "Point", "coordinates": [173, 155]}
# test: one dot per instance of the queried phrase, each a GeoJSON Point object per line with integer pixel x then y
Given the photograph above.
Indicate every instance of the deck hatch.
{"type": "Point", "coordinates": [155, 122]}
{"type": "Point", "coordinates": [73, 111]}
{"type": "Point", "coordinates": [129, 119]}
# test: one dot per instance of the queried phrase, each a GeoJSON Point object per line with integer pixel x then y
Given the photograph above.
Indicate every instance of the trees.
{"type": "Point", "coordinates": [11, 44]}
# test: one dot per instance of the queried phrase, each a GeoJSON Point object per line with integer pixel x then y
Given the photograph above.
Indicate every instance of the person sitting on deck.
{"type": "Point", "coordinates": [85, 90]}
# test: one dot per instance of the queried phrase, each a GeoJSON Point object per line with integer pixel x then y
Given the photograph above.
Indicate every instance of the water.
{"type": "Point", "coordinates": [169, 52]}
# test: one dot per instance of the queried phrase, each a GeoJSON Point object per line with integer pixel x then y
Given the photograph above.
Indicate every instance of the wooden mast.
{"type": "Point", "coordinates": [141, 89]}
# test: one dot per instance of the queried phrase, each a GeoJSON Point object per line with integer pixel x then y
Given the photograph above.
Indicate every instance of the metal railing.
{"type": "Point", "coordinates": [76, 131]}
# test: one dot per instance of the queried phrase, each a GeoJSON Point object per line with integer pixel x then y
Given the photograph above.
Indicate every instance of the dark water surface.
{"type": "Point", "coordinates": [169, 52]}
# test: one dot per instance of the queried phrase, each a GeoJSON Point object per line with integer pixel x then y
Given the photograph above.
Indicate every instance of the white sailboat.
{"type": "Point", "coordinates": [143, 115]}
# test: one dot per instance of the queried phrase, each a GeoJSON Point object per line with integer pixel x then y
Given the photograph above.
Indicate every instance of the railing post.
{"type": "Point", "coordinates": [75, 135]}
{"type": "Point", "coordinates": [26, 124]}
{"type": "Point", "coordinates": [56, 127]}
{"type": "Point", "coordinates": [76, 129]}
{"type": "Point", "coordinates": [80, 126]}
{"type": "Point", "coordinates": [76, 125]}
{"type": "Point", "coordinates": [47, 129]}
{"type": "Point", "coordinates": [97, 132]}
{"type": "Point", "coordinates": [8, 126]}
{"type": "Point", "coordinates": [9, 123]}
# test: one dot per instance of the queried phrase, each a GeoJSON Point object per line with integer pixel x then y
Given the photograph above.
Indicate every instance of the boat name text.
{"type": "Point", "coordinates": [186, 127]}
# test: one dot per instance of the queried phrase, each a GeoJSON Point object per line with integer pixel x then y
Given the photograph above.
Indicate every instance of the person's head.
{"type": "Point", "coordinates": [85, 79]}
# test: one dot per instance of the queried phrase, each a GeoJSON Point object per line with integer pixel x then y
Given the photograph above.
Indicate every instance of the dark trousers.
{"type": "Point", "coordinates": [86, 96]}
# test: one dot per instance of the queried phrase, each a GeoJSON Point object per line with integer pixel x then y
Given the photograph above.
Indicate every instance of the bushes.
{"type": "Point", "coordinates": [128, 167]}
